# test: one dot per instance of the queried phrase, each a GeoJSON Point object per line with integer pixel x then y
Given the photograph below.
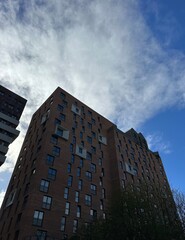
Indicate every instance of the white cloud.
{"type": "Point", "coordinates": [156, 142]}
{"type": "Point", "coordinates": [103, 52]}
{"type": "Point", "coordinates": [2, 193]}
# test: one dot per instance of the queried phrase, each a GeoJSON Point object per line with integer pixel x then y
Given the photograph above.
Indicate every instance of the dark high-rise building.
{"type": "Point", "coordinates": [71, 162]}
{"type": "Point", "coordinates": [11, 108]}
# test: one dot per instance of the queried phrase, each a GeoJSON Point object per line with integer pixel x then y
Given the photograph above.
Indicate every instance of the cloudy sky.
{"type": "Point", "coordinates": [123, 58]}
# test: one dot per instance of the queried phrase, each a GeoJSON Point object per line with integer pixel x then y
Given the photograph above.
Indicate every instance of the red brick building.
{"type": "Point", "coordinates": [71, 162]}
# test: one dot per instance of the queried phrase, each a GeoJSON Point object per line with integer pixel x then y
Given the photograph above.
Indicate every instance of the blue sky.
{"type": "Point", "coordinates": [123, 58]}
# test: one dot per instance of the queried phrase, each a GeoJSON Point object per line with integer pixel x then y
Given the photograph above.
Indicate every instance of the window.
{"type": "Point", "coordinates": [44, 185]}
{"type": "Point", "coordinates": [63, 224]}
{"type": "Point", "coordinates": [62, 117]}
{"type": "Point", "coordinates": [66, 193]}
{"type": "Point", "coordinates": [38, 218]}
{"type": "Point", "coordinates": [69, 167]}
{"type": "Point", "coordinates": [88, 175]}
{"type": "Point", "coordinates": [57, 121]}
{"type": "Point", "coordinates": [75, 225]}
{"type": "Point", "coordinates": [93, 121]}
{"type": "Point", "coordinates": [89, 125]}
{"type": "Point", "coordinates": [59, 132]}
{"type": "Point", "coordinates": [93, 134]}
{"type": "Point", "coordinates": [60, 107]}
{"type": "Point", "coordinates": [100, 162]}
{"type": "Point", "coordinates": [54, 140]}
{"type": "Point", "coordinates": [52, 173]}
{"type": "Point", "coordinates": [93, 149]}
{"type": "Point", "coordinates": [81, 162]}
{"type": "Point", "coordinates": [81, 135]}
{"type": "Point", "coordinates": [70, 181]}
{"type": "Point", "coordinates": [80, 183]}
{"type": "Point", "coordinates": [89, 156]}
{"type": "Point", "coordinates": [103, 193]}
{"type": "Point", "coordinates": [78, 172]}
{"type": "Point", "coordinates": [93, 167]}
{"type": "Point", "coordinates": [93, 213]}
{"type": "Point", "coordinates": [72, 158]}
{"type": "Point", "coordinates": [74, 139]}
{"type": "Point", "coordinates": [77, 194]}
{"type": "Point", "coordinates": [78, 212]}
{"type": "Point", "coordinates": [101, 204]}
{"type": "Point", "coordinates": [46, 202]}
{"type": "Point", "coordinates": [80, 150]}
{"type": "Point", "coordinates": [87, 200]}
{"type": "Point", "coordinates": [89, 139]}
{"type": "Point", "coordinates": [41, 235]}
{"type": "Point", "coordinates": [56, 151]}
{"type": "Point", "coordinates": [71, 148]}
{"type": "Point", "coordinates": [63, 96]}
{"type": "Point", "coordinates": [101, 181]}
{"type": "Point", "coordinates": [93, 189]}
{"type": "Point", "coordinates": [67, 208]}
{"type": "Point", "coordinates": [50, 160]}
{"type": "Point", "coordinates": [102, 172]}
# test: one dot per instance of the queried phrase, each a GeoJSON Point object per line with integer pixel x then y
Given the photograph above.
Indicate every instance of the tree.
{"type": "Point", "coordinates": [140, 213]}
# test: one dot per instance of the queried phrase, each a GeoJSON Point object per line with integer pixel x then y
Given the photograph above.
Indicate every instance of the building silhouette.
{"type": "Point", "coordinates": [71, 162]}
{"type": "Point", "coordinates": [11, 108]}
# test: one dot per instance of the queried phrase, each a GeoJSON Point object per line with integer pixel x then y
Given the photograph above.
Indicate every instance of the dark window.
{"type": "Point", "coordinates": [52, 173]}
{"type": "Point", "coordinates": [80, 184]}
{"type": "Point", "coordinates": [78, 212]}
{"type": "Point", "coordinates": [93, 188]}
{"type": "Point", "coordinates": [93, 134]}
{"type": "Point", "coordinates": [59, 132]}
{"type": "Point", "coordinates": [77, 195]}
{"type": "Point", "coordinates": [78, 172]}
{"type": "Point", "coordinates": [93, 167]}
{"type": "Point", "coordinates": [62, 117]}
{"type": "Point", "coordinates": [38, 218]}
{"type": "Point", "coordinates": [44, 185]}
{"type": "Point", "coordinates": [66, 193]}
{"type": "Point", "coordinates": [81, 162]}
{"type": "Point", "coordinates": [70, 181]}
{"type": "Point", "coordinates": [72, 158]}
{"type": "Point", "coordinates": [56, 151]}
{"type": "Point", "coordinates": [57, 121]}
{"type": "Point", "coordinates": [63, 96]}
{"type": "Point", "coordinates": [54, 140]}
{"type": "Point", "coordinates": [81, 135]}
{"type": "Point", "coordinates": [71, 148]}
{"type": "Point", "coordinates": [60, 108]}
{"type": "Point", "coordinates": [88, 175]}
{"type": "Point", "coordinates": [63, 224]}
{"type": "Point", "coordinates": [89, 139]}
{"type": "Point", "coordinates": [88, 200]}
{"type": "Point", "coordinates": [50, 160]}
{"type": "Point", "coordinates": [89, 156]}
{"type": "Point", "coordinates": [68, 167]}
{"type": "Point", "coordinates": [41, 235]}
{"type": "Point", "coordinates": [67, 208]}
{"type": "Point", "coordinates": [46, 202]}
{"type": "Point", "coordinates": [89, 125]}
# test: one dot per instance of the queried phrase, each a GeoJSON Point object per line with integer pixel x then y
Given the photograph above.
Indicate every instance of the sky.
{"type": "Point", "coordinates": [123, 58]}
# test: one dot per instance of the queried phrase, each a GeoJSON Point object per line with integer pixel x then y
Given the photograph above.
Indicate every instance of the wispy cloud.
{"type": "Point", "coordinates": [2, 193]}
{"type": "Point", "coordinates": [156, 142]}
{"type": "Point", "coordinates": [103, 52]}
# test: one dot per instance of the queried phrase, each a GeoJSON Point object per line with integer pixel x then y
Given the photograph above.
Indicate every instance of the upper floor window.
{"type": "Point", "coordinates": [66, 193]}
{"type": "Point", "coordinates": [50, 160]}
{"type": "Point", "coordinates": [38, 218]}
{"type": "Point", "coordinates": [88, 200]}
{"type": "Point", "coordinates": [44, 185]}
{"type": "Point", "coordinates": [70, 181]}
{"type": "Point", "coordinates": [46, 202]}
{"type": "Point", "coordinates": [52, 173]}
{"type": "Point", "coordinates": [56, 151]}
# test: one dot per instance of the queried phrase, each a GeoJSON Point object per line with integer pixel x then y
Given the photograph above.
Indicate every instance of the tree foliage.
{"type": "Point", "coordinates": [137, 215]}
